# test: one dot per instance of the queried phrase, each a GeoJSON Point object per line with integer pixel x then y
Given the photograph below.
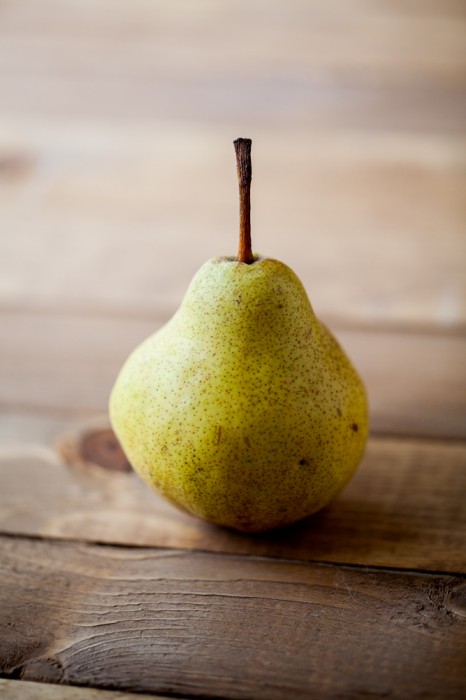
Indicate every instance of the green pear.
{"type": "Point", "coordinates": [243, 409]}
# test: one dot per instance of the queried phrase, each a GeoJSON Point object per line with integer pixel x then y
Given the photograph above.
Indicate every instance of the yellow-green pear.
{"type": "Point", "coordinates": [243, 409]}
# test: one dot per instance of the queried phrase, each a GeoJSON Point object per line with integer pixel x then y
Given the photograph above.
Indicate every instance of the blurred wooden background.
{"type": "Point", "coordinates": [118, 180]}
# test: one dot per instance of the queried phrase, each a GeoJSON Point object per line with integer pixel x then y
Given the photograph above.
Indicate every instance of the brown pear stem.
{"type": "Point", "coordinates": [243, 162]}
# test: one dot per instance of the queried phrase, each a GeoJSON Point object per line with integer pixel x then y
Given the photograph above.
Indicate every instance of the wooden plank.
{"type": "Point", "coordinates": [21, 429]}
{"type": "Point", "coordinates": [28, 690]}
{"type": "Point", "coordinates": [75, 360]}
{"type": "Point", "coordinates": [316, 64]}
{"type": "Point", "coordinates": [231, 627]}
{"type": "Point", "coordinates": [416, 383]}
{"type": "Point", "coordinates": [372, 224]}
{"type": "Point", "coordinates": [312, 36]}
{"type": "Point", "coordinates": [403, 508]}
{"type": "Point", "coordinates": [357, 206]}
{"type": "Point", "coordinates": [301, 96]}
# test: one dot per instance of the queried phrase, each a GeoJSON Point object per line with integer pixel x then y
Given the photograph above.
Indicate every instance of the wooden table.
{"type": "Point", "coordinates": [117, 180]}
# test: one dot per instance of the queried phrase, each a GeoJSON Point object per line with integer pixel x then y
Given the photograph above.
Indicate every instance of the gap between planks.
{"type": "Point", "coordinates": [161, 315]}
{"type": "Point", "coordinates": [403, 509]}
{"type": "Point", "coordinates": [402, 371]}
{"type": "Point", "coordinates": [185, 623]}
{"type": "Point", "coordinates": [174, 550]}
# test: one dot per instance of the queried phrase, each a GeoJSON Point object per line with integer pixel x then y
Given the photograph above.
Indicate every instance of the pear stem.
{"type": "Point", "coordinates": [243, 162]}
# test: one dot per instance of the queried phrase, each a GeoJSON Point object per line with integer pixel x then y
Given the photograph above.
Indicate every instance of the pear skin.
{"type": "Point", "coordinates": [243, 409]}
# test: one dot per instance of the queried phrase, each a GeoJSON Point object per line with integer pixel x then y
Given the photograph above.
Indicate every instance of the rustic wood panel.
{"type": "Point", "coordinates": [313, 63]}
{"type": "Point", "coordinates": [21, 429]}
{"type": "Point", "coordinates": [28, 690]}
{"type": "Point", "coordinates": [267, 35]}
{"type": "Point", "coordinates": [120, 218]}
{"type": "Point", "coordinates": [202, 624]}
{"type": "Point", "coordinates": [67, 364]}
{"type": "Point", "coordinates": [404, 508]}
{"type": "Point", "coordinates": [115, 151]}
{"type": "Point", "coordinates": [117, 181]}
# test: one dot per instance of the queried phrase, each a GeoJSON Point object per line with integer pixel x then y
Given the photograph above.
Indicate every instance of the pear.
{"type": "Point", "coordinates": [243, 409]}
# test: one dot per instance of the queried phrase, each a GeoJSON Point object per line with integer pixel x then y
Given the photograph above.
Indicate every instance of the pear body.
{"type": "Point", "coordinates": [243, 409]}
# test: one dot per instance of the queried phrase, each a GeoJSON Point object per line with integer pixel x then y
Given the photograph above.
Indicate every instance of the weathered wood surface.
{"type": "Point", "coordinates": [117, 181]}
{"type": "Point", "coordinates": [28, 690]}
{"type": "Point", "coordinates": [233, 627]}
{"type": "Point", "coordinates": [403, 508]}
{"type": "Point", "coordinates": [66, 364]}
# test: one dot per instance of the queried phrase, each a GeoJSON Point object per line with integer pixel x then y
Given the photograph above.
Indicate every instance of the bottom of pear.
{"type": "Point", "coordinates": [244, 523]}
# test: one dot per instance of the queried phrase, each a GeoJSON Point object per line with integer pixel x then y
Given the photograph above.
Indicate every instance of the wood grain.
{"type": "Point", "coordinates": [121, 217]}
{"type": "Point", "coordinates": [28, 690]}
{"type": "Point", "coordinates": [317, 64]}
{"type": "Point", "coordinates": [117, 181]}
{"type": "Point", "coordinates": [230, 627]}
{"type": "Point", "coordinates": [116, 156]}
{"type": "Point", "coordinates": [21, 429]}
{"type": "Point", "coordinates": [404, 508]}
{"type": "Point", "coordinates": [66, 365]}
